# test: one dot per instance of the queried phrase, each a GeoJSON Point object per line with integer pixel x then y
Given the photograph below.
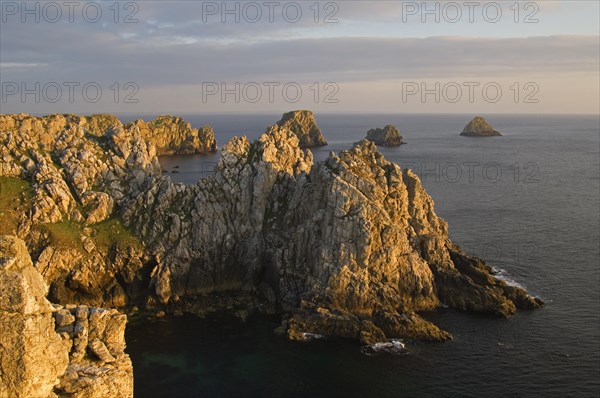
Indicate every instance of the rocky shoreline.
{"type": "Point", "coordinates": [348, 247]}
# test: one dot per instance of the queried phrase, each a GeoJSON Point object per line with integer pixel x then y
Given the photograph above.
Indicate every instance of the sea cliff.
{"type": "Point", "coordinates": [346, 246]}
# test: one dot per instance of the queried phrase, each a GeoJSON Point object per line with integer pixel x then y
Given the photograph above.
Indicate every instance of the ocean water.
{"type": "Point", "coordinates": [527, 202]}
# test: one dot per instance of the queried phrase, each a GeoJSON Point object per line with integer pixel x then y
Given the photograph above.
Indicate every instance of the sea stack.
{"type": "Point", "coordinates": [387, 136]}
{"type": "Point", "coordinates": [479, 127]}
{"type": "Point", "coordinates": [304, 126]}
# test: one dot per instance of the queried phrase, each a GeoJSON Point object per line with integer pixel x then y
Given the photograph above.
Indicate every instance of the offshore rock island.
{"type": "Point", "coordinates": [349, 247]}
{"type": "Point", "coordinates": [479, 127]}
{"type": "Point", "coordinates": [387, 136]}
{"type": "Point", "coordinates": [304, 126]}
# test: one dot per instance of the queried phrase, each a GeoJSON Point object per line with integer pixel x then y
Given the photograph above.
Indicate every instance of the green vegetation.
{"type": "Point", "coordinates": [16, 195]}
{"type": "Point", "coordinates": [16, 198]}
{"type": "Point", "coordinates": [104, 234]}
{"type": "Point", "coordinates": [109, 232]}
{"type": "Point", "coordinates": [64, 234]}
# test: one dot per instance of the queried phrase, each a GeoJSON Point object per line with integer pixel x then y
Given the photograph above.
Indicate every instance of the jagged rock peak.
{"type": "Point", "coordinates": [387, 136]}
{"type": "Point", "coordinates": [479, 127]}
{"type": "Point", "coordinates": [303, 124]}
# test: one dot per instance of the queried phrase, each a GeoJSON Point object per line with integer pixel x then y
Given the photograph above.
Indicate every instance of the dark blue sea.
{"type": "Point", "coordinates": [527, 202]}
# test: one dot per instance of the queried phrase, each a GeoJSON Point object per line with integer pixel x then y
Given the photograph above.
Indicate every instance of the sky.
{"type": "Point", "coordinates": [184, 57]}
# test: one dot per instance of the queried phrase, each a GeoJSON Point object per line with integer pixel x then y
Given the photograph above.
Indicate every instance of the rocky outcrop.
{"type": "Point", "coordinates": [352, 246]}
{"type": "Point", "coordinates": [46, 350]}
{"type": "Point", "coordinates": [387, 136]}
{"type": "Point", "coordinates": [171, 135]}
{"type": "Point", "coordinates": [349, 247]}
{"type": "Point", "coordinates": [304, 126]}
{"type": "Point", "coordinates": [98, 364]}
{"type": "Point", "coordinates": [77, 171]}
{"type": "Point", "coordinates": [479, 127]}
{"type": "Point", "coordinates": [32, 357]}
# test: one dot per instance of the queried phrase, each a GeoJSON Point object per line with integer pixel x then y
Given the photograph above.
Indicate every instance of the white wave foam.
{"type": "Point", "coordinates": [312, 336]}
{"type": "Point", "coordinates": [504, 276]}
{"type": "Point", "coordinates": [396, 347]}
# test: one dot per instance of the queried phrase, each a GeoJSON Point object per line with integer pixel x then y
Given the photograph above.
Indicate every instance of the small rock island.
{"type": "Point", "coordinates": [304, 126]}
{"type": "Point", "coordinates": [387, 136]}
{"type": "Point", "coordinates": [479, 127]}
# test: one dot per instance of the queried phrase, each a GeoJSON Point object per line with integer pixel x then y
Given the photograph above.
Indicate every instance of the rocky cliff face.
{"type": "Point", "coordinates": [387, 136]}
{"type": "Point", "coordinates": [62, 178]}
{"type": "Point", "coordinates": [479, 127]}
{"type": "Point", "coordinates": [304, 126]}
{"type": "Point", "coordinates": [350, 247]}
{"type": "Point", "coordinates": [47, 351]}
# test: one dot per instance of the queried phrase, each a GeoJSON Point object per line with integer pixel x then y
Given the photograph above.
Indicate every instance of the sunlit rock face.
{"type": "Point", "coordinates": [171, 135]}
{"type": "Point", "coordinates": [304, 126]}
{"type": "Point", "coordinates": [350, 246]}
{"type": "Point", "coordinates": [50, 351]}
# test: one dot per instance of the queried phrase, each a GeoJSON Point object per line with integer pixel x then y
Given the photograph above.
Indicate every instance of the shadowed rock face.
{"type": "Point", "coordinates": [304, 126]}
{"type": "Point", "coordinates": [479, 127]}
{"type": "Point", "coordinates": [351, 246]}
{"type": "Point", "coordinates": [387, 136]}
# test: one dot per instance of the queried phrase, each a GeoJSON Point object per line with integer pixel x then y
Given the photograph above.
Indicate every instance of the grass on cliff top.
{"type": "Point", "coordinates": [104, 234]}
{"type": "Point", "coordinates": [111, 231]}
{"type": "Point", "coordinates": [15, 198]}
{"type": "Point", "coordinates": [65, 234]}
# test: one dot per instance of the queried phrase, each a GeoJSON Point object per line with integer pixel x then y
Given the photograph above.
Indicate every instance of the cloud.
{"type": "Point", "coordinates": [173, 45]}
{"type": "Point", "coordinates": [19, 65]}
{"type": "Point", "coordinates": [105, 56]}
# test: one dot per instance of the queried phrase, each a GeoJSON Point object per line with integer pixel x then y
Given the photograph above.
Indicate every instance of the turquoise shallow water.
{"type": "Point", "coordinates": [527, 202]}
